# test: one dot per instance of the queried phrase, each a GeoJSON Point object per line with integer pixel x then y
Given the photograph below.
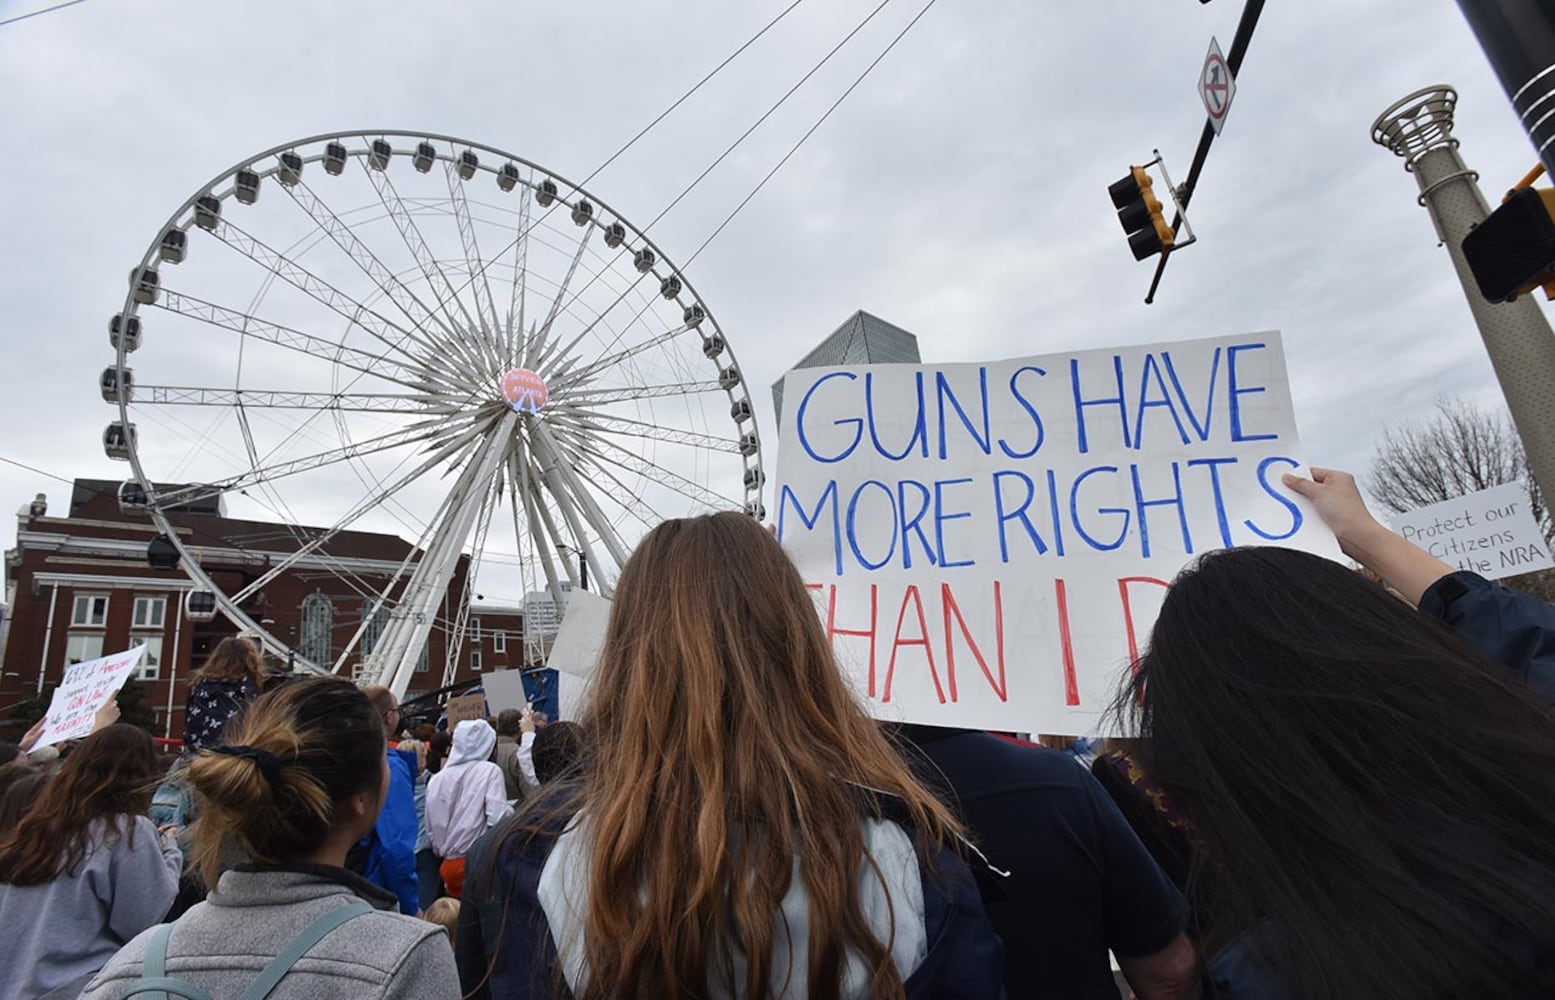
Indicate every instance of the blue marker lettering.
{"type": "Point", "coordinates": [786, 497]}
{"type": "Point", "coordinates": [1074, 511]}
{"type": "Point", "coordinates": [1295, 512]}
{"type": "Point", "coordinates": [940, 517]}
{"type": "Point", "coordinates": [853, 505]}
{"type": "Point", "coordinates": [1081, 403]}
{"type": "Point", "coordinates": [1004, 515]}
{"type": "Point", "coordinates": [1214, 464]}
{"type": "Point", "coordinates": [920, 433]}
{"type": "Point", "coordinates": [1026, 405]}
{"type": "Point", "coordinates": [1236, 393]}
{"type": "Point", "coordinates": [1142, 506]}
{"type": "Point", "coordinates": [943, 392]}
{"type": "Point", "coordinates": [804, 404]}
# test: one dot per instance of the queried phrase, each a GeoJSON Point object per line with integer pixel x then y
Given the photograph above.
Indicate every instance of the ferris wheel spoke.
{"type": "Point", "coordinates": [346, 239]}
{"type": "Point", "coordinates": [448, 454]}
{"type": "Point", "coordinates": [626, 497]}
{"type": "Point", "coordinates": [518, 293]}
{"type": "Point", "coordinates": [485, 306]}
{"type": "Point", "coordinates": [590, 422]}
{"type": "Point", "coordinates": [367, 363]}
{"type": "Point", "coordinates": [443, 291]}
{"type": "Point", "coordinates": [402, 437]}
{"type": "Point", "coordinates": [668, 478]}
{"type": "Point", "coordinates": [535, 352]}
{"type": "Point", "coordinates": [571, 378]}
{"type": "Point", "coordinates": [566, 352]}
{"type": "Point", "coordinates": [354, 312]}
{"type": "Point", "coordinates": [599, 396]}
{"type": "Point", "coordinates": [365, 402]}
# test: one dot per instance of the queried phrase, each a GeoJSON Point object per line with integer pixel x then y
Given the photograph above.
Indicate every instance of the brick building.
{"type": "Point", "coordinates": [78, 585]}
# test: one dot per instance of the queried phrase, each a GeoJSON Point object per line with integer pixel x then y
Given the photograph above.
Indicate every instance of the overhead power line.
{"type": "Point", "coordinates": [46, 10]}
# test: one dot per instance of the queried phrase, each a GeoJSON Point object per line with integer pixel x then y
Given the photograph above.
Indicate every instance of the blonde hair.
{"type": "Point", "coordinates": [419, 749]}
{"type": "Point", "coordinates": [234, 658]}
{"type": "Point", "coordinates": [445, 913]}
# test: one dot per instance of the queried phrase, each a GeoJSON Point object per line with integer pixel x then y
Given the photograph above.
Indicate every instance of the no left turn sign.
{"type": "Point", "coordinates": [1217, 86]}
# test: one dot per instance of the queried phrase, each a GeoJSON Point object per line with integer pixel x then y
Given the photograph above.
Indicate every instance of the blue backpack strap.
{"type": "Point", "coordinates": [279, 966]}
{"type": "Point", "coordinates": [154, 983]}
{"type": "Point", "coordinates": [159, 987]}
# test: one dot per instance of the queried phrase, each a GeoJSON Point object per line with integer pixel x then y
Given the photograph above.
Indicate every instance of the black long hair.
{"type": "Point", "coordinates": [1375, 801]}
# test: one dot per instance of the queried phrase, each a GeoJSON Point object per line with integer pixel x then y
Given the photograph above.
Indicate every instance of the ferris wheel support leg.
{"type": "Point", "coordinates": [429, 584]}
{"type": "Point", "coordinates": [591, 510]}
{"type": "Point", "coordinates": [562, 486]}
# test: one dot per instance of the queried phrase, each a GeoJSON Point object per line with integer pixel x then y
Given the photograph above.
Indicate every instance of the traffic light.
{"type": "Point", "coordinates": [1139, 212]}
{"type": "Point", "coordinates": [1513, 251]}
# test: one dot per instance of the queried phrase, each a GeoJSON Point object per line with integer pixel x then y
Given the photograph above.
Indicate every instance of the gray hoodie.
{"type": "Point", "coordinates": [62, 931]}
{"type": "Point", "coordinates": [222, 944]}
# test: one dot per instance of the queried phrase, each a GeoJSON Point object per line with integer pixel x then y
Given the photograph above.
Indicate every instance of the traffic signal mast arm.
{"type": "Point", "coordinates": [1244, 34]}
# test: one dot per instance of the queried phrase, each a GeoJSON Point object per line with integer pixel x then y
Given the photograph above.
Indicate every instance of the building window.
{"type": "Point", "coordinates": [82, 646]}
{"type": "Point", "coordinates": [318, 620]}
{"type": "Point", "coordinates": [90, 611]}
{"type": "Point", "coordinates": [475, 660]}
{"type": "Point", "coordinates": [150, 664]}
{"type": "Point", "coordinates": [421, 661]}
{"type": "Point", "coordinates": [377, 616]}
{"type": "Point", "coordinates": [499, 642]}
{"type": "Point", "coordinates": [476, 629]}
{"type": "Point", "coordinates": [150, 612]}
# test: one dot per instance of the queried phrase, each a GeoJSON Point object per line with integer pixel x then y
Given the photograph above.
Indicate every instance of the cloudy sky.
{"type": "Point", "coordinates": [960, 192]}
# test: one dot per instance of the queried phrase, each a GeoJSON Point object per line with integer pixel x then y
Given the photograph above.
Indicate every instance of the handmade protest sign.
{"type": "Point", "coordinates": [1492, 532]}
{"type": "Point", "coordinates": [989, 544]}
{"type": "Point", "coordinates": [466, 706]}
{"type": "Point", "coordinates": [87, 686]}
{"type": "Point", "coordinates": [581, 636]}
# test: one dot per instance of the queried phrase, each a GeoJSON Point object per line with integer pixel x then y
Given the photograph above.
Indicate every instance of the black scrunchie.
{"type": "Point", "coordinates": [269, 763]}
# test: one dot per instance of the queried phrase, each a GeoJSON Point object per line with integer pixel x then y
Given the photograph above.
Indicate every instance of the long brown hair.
{"type": "Point", "coordinates": [270, 794]}
{"type": "Point", "coordinates": [233, 659]}
{"type": "Point", "coordinates": [111, 774]}
{"type": "Point", "coordinates": [725, 744]}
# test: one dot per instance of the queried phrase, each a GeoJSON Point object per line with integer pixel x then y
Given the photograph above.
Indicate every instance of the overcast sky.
{"type": "Point", "coordinates": [960, 192]}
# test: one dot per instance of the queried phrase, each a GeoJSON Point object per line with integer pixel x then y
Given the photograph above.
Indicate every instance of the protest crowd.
{"type": "Point", "coordinates": [1337, 788]}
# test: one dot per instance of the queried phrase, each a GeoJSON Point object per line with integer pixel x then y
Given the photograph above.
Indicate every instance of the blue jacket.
{"type": "Point", "coordinates": [1515, 629]}
{"type": "Point", "coordinates": [391, 847]}
{"type": "Point", "coordinates": [957, 956]}
{"type": "Point", "coordinates": [1509, 627]}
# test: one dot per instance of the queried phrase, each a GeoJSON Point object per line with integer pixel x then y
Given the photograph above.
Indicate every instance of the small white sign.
{"type": "Point", "coordinates": [1217, 86]}
{"type": "Point", "coordinates": [1492, 533]}
{"type": "Point", "coordinates": [581, 636]}
{"type": "Point", "coordinates": [86, 688]}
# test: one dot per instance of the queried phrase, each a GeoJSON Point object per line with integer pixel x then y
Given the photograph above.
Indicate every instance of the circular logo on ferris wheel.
{"type": "Point", "coordinates": [525, 391]}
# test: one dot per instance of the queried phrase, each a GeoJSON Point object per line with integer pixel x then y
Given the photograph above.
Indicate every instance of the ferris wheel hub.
{"type": "Point", "coordinates": [525, 391]}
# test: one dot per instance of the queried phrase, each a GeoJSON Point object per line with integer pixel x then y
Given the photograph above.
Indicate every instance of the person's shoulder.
{"type": "Point", "coordinates": [1000, 763]}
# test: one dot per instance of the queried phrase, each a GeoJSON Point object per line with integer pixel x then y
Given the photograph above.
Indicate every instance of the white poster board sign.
{"type": "Point", "coordinates": [988, 544]}
{"type": "Point", "coordinates": [505, 690]}
{"type": "Point", "coordinates": [86, 688]}
{"type": "Point", "coordinates": [581, 636]}
{"type": "Point", "coordinates": [1492, 532]}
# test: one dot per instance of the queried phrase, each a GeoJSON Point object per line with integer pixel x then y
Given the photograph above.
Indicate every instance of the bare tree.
{"type": "Point", "coordinates": [1462, 449]}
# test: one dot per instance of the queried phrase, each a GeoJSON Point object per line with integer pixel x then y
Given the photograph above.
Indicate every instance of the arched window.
{"type": "Point", "coordinates": [318, 619]}
{"type": "Point", "coordinates": [377, 615]}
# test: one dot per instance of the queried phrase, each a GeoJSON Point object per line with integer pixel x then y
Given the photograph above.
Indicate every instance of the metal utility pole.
{"type": "Point", "coordinates": [1244, 35]}
{"type": "Point", "coordinates": [1518, 37]}
{"type": "Point", "coordinates": [1516, 334]}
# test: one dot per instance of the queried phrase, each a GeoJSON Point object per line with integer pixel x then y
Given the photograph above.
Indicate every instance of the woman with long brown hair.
{"type": "Point", "coordinates": [741, 827]}
{"type": "Point", "coordinates": [84, 871]}
{"type": "Point", "coordinates": [232, 677]}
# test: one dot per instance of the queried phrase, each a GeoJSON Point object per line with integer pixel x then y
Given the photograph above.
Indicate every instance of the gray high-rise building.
{"type": "Point", "coordinates": [863, 339]}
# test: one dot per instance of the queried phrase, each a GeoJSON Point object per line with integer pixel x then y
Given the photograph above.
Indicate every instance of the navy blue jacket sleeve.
{"type": "Point", "coordinates": [1515, 629]}
{"type": "Point", "coordinates": [965, 960]}
{"type": "Point", "coordinates": [394, 867]}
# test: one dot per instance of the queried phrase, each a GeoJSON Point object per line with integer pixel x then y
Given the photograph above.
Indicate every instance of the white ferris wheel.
{"type": "Point", "coordinates": [415, 334]}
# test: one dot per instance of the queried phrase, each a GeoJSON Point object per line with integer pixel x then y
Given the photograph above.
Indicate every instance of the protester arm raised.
{"type": "Point", "coordinates": [1406, 567]}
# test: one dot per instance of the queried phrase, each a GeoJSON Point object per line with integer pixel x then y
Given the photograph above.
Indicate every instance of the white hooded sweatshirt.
{"type": "Point", "coordinates": [468, 795]}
